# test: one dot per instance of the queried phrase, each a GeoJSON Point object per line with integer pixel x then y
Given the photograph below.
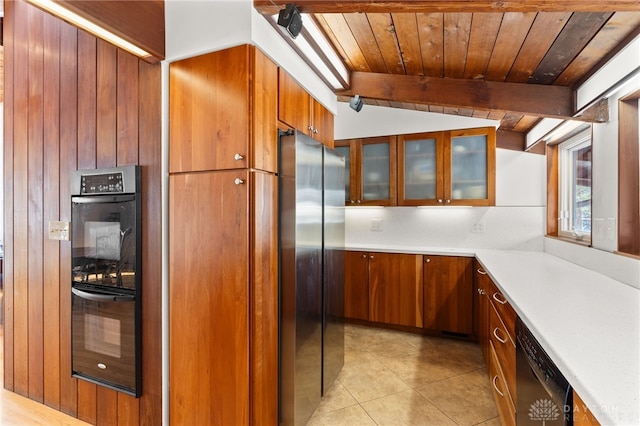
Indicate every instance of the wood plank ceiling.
{"type": "Point", "coordinates": [451, 47]}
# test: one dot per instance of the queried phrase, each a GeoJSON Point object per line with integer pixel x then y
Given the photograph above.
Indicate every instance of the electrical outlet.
{"type": "Point", "coordinates": [478, 227]}
{"type": "Point", "coordinates": [376, 225]}
{"type": "Point", "coordinates": [611, 228]}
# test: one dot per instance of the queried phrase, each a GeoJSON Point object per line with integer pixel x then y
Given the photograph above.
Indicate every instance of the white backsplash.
{"type": "Point", "coordinates": [512, 228]}
{"type": "Point", "coordinates": [622, 268]}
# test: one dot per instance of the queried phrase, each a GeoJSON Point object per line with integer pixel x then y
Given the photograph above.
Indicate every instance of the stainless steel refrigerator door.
{"type": "Point", "coordinates": [301, 278]}
{"type": "Point", "coordinates": [333, 335]}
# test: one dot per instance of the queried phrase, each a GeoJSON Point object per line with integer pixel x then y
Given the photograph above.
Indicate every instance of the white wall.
{"type": "Point", "coordinates": [375, 120]}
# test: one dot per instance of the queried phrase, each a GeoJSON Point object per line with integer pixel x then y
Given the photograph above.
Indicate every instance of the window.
{"type": "Point", "coordinates": [574, 187]}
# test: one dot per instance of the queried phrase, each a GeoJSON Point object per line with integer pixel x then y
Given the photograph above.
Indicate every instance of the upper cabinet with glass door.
{"type": "Point", "coordinates": [447, 168]}
{"type": "Point", "coordinates": [371, 174]}
{"type": "Point", "coordinates": [420, 169]}
{"type": "Point", "coordinates": [470, 174]}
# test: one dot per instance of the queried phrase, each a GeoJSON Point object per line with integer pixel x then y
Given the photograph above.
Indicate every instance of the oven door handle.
{"type": "Point", "coordinates": [120, 198]}
{"type": "Point", "coordinates": [94, 297]}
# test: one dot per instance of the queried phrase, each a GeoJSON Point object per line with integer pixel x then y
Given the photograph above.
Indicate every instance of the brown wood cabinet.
{"type": "Point", "coordinates": [395, 289]}
{"type": "Point", "coordinates": [223, 280]}
{"type": "Point", "coordinates": [482, 309]}
{"type": "Point", "coordinates": [223, 108]}
{"type": "Point", "coordinates": [448, 294]}
{"type": "Point", "coordinates": [223, 292]}
{"type": "Point", "coordinates": [496, 334]}
{"type": "Point", "coordinates": [504, 400]}
{"type": "Point", "coordinates": [301, 111]}
{"type": "Point", "coordinates": [371, 170]}
{"type": "Point", "coordinates": [454, 167]}
{"type": "Point", "coordinates": [582, 416]}
{"type": "Point", "coordinates": [356, 285]}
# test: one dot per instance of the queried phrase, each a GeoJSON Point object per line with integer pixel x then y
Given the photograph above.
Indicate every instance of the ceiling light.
{"type": "Point", "coordinates": [83, 23]}
{"type": "Point", "coordinates": [356, 103]}
{"type": "Point", "coordinates": [290, 18]}
{"type": "Point", "coordinates": [316, 51]}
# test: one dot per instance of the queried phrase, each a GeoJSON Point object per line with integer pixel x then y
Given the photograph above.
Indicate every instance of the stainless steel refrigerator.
{"type": "Point", "coordinates": [311, 185]}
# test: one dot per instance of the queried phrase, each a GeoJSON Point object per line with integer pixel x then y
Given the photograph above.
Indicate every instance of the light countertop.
{"type": "Point", "coordinates": [588, 323]}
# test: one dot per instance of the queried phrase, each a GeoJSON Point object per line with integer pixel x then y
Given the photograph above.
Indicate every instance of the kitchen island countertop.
{"type": "Point", "coordinates": [588, 323]}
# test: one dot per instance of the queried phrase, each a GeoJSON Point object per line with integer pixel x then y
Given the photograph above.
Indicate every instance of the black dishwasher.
{"type": "Point", "coordinates": [544, 396]}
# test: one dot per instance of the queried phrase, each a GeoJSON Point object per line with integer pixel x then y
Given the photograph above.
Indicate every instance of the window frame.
{"type": "Point", "coordinates": [567, 184]}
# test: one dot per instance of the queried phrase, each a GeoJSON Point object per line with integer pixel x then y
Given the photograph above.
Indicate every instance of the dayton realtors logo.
{"type": "Point", "coordinates": [544, 410]}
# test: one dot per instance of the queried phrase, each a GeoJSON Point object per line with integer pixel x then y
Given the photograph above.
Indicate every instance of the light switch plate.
{"type": "Point", "coordinates": [59, 230]}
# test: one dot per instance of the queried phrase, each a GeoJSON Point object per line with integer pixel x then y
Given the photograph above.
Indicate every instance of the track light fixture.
{"type": "Point", "coordinates": [290, 18]}
{"type": "Point", "coordinates": [356, 103]}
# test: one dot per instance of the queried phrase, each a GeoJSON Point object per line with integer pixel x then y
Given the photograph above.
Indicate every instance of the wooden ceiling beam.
{"type": "Point", "coordinates": [448, 6]}
{"type": "Point", "coordinates": [521, 98]}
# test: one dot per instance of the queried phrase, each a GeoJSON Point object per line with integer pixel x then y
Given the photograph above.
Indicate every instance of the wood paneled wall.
{"type": "Point", "coordinates": [72, 101]}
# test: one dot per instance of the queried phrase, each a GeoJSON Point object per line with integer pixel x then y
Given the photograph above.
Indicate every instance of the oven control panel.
{"type": "Point", "coordinates": [109, 183]}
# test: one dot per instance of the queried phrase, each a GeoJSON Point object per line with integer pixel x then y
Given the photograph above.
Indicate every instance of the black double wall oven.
{"type": "Point", "coordinates": [105, 277]}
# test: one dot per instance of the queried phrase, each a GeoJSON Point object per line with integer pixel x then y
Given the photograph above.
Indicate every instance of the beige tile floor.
{"type": "Point", "coordinates": [396, 378]}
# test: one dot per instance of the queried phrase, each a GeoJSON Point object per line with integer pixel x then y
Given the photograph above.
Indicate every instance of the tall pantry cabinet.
{"type": "Point", "coordinates": [223, 295]}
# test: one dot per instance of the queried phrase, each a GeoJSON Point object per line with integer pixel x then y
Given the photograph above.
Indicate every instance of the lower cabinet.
{"type": "Point", "coordinates": [395, 288]}
{"type": "Point", "coordinates": [481, 306]}
{"type": "Point", "coordinates": [582, 416]}
{"type": "Point", "coordinates": [496, 334]}
{"type": "Point", "coordinates": [431, 292]}
{"type": "Point", "coordinates": [504, 400]}
{"type": "Point", "coordinates": [383, 287]}
{"type": "Point", "coordinates": [223, 292]}
{"type": "Point", "coordinates": [356, 285]}
{"type": "Point", "coordinates": [448, 294]}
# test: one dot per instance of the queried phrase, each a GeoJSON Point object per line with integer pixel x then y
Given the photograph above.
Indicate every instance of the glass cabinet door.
{"type": "Point", "coordinates": [420, 175]}
{"type": "Point", "coordinates": [472, 167]}
{"type": "Point", "coordinates": [345, 151]}
{"type": "Point", "coordinates": [378, 171]}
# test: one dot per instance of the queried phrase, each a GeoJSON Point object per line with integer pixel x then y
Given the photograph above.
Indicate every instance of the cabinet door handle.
{"type": "Point", "coordinates": [358, 202]}
{"type": "Point", "coordinates": [364, 256]}
{"type": "Point", "coordinates": [351, 201]}
{"type": "Point", "coordinates": [448, 201]}
{"type": "Point", "coordinates": [481, 291]}
{"type": "Point", "coordinates": [498, 337]}
{"type": "Point", "coordinates": [495, 386]}
{"type": "Point", "coordinates": [238, 157]}
{"type": "Point", "coordinates": [315, 131]}
{"type": "Point", "coordinates": [427, 260]}
{"type": "Point", "coordinates": [310, 128]}
{"type": "Point", "coordinates": [481, 272]}
{"type": "Point", "coordinates": [371, 257]}
{"type": "Point", "coordinates": [439, 200]}
{"type": "Point", "coordinates": [500, 300]}
{"type": "Point", "coordinates": [238, 181]}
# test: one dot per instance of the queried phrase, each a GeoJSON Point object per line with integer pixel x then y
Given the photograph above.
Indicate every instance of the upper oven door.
{"type": "Point", "coordinates": [104, 240]}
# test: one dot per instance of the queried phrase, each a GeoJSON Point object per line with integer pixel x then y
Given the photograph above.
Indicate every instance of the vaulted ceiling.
{"type": "Point", "coordinates": [512, 61]}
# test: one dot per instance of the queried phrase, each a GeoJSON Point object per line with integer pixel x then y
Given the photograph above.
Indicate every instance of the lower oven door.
{"type": "Point", "coordinates": [104, 339]}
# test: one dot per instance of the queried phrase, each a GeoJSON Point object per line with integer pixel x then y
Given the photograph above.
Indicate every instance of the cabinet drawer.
{"type": "Point", "coordinates": [504, 401]}
{"type": "Point", "coordinates": [504, 310]}
{"type": "Point", "coordinates": [505, 349]}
